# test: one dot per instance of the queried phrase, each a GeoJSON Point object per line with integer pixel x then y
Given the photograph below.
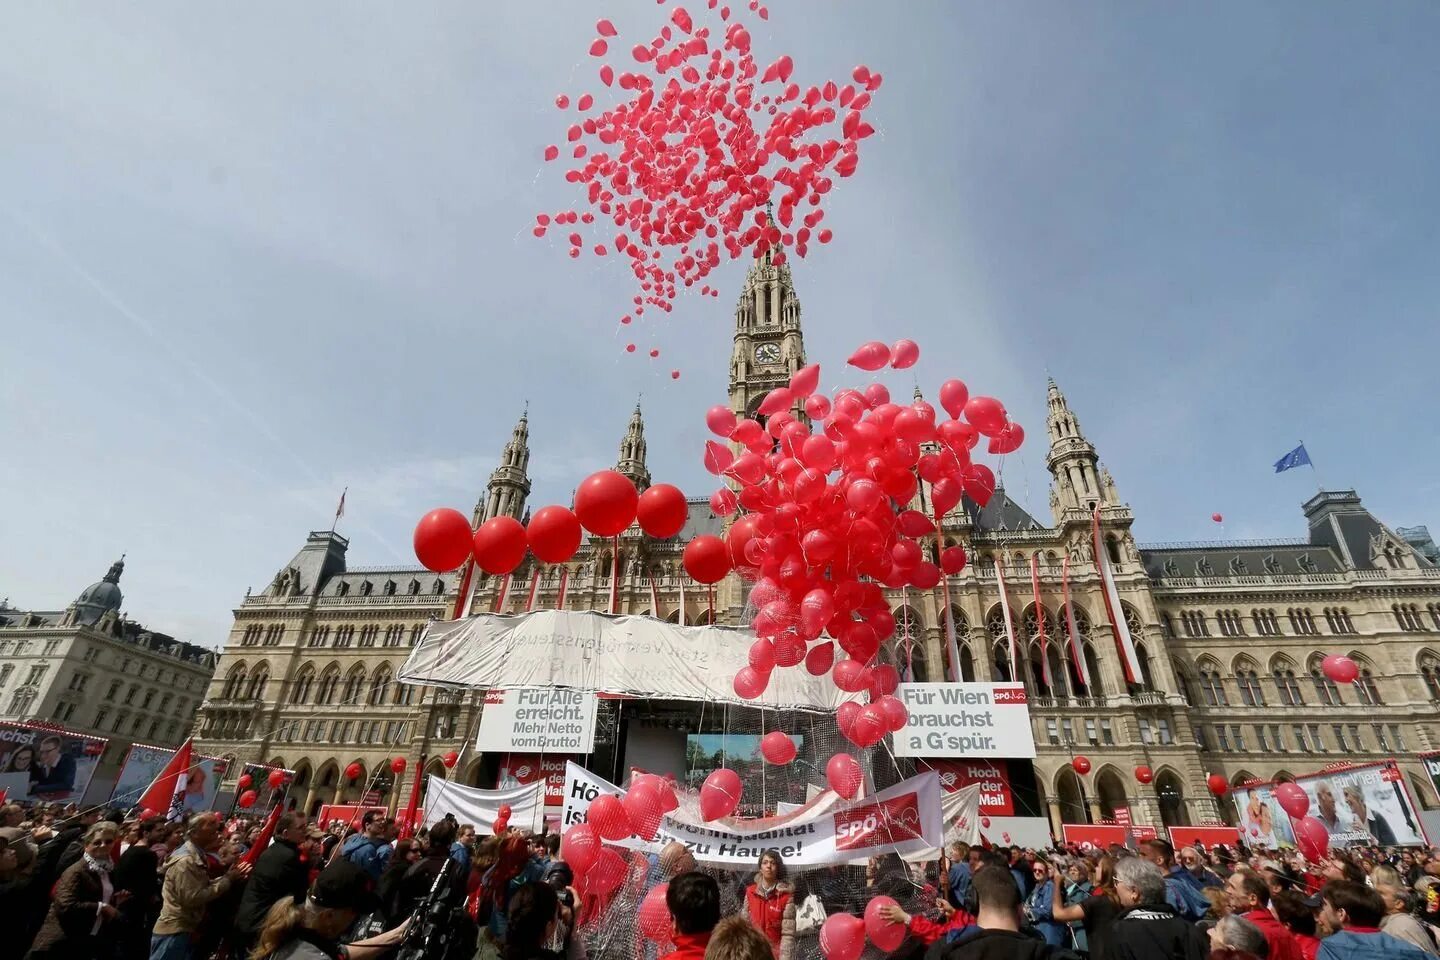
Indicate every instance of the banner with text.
{"type": "Point", "coordinates": [535, 720]}
{"type": "Point", "coordinates": [1033, 833]}
{"type": "Point", "coordinates": [1361, 805]}
{"type": "Point", "coordinates": [46, 763]}
{"type": "Point", "coordinates": [584, 650]}
{"type": "Point", "coordinates": [965, 720]}
{"type": "Point", "coordinates": [480, 808]}
{"type": "Point", "coordinates": [523, 769]}
{"type": "Point", "coordinates": [905, 819]}
{"type": "Point", "coordinates": [1204, 836]}
{"type": "Point", "coordinates": [143, 763]}
{"type": "Point", "coordinates": [992, 776]}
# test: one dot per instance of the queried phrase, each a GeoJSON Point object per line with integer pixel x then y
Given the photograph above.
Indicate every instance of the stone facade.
{"type": "Point", "coordinates": [89, 669]}
{"type": "Point", "coordinates": [1228, 635]}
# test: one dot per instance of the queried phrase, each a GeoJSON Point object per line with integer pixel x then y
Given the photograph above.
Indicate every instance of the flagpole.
{"type": "Point", "coordinates": [339, 509]}
{"type": "Point", "coordinates": [1320, 486]}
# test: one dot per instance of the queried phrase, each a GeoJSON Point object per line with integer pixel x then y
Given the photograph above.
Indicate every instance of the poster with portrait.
{"type": "Point", "coordinates": [46, 764]}
{"type": "Point", "coordinates": [143, 763]}
{"type": "Point", "coordinates": [1361, 805]}
{"type": "Point", "coordinates": [266, 796]}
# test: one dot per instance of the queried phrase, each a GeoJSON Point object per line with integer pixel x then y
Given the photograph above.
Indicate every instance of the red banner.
{"type": "Point", "coordinates": [993, 776]}
{"type": "Point", "coordinates": [1209, 836]}
{"type": "Point", "coordinates": [1122, 816]}
{"type": "Point", "coordinates": [1141, 833]}
{"type": "Point", "coordinates": [523, 769]}
{"type": "Point", "coordinates": [1096, 835]}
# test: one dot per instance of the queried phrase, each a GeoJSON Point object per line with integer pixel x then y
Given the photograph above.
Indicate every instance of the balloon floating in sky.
{"type": "Point", "coordinates": [713, 155]}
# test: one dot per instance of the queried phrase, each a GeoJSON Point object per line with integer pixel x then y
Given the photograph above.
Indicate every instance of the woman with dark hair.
{"type": "Point", "coordinates": [21, 760]}
{"type": "Point", "coordinates": [770, 902]}
{"type": "Point", "coordinates": [80, 906]}
{"type": "Point", "coordinates": [405, 856]}
{"type": "Point", "coordinates": [532, 916]}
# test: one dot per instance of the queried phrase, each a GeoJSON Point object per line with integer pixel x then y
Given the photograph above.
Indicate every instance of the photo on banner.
{"type": "Point", "coordinates": [46, 764]}
{"type": "Point", "coordinates": [523, 769]}
{"type": "Point", "coordinates": [707, 752]}
{"type": "Point", "coordinates": [143, 763]}
{"type": "Point", "coordinates": [1361, 805]}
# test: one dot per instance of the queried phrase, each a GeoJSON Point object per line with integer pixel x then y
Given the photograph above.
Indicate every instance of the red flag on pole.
{"type": "Point", "coordinates": [1040, 623]}
{"type": "Point", "coordinates": [167, 791]}
{"type": "Point", "coordinates": [407, 824]}
{"type": "Point", "coordinates": [1124, 643]}
{"type": "Point", "coordinates": [266, 833]}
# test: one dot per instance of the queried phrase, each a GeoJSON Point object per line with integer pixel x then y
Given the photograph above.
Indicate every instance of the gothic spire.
{"type": "Point", "coordinates": [510, 481]}
{"type": "Point", "coordinates": [1080, 481]}
{"type": "Point", "coordinates": [632, 451]}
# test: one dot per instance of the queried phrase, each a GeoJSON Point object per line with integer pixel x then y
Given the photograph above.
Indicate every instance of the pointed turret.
{"type": "Point", "coordinates": [632, 452]}
{"type": "Point", "coordinates": [769, 345]}
{"type": "Point", "coordinates": [1080, 482]}
{"type": "Point", "coordinates": [509, 484]}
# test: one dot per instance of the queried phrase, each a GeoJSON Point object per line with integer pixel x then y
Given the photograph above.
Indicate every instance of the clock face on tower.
{"type": "Point", "coordinates": [767, 353]}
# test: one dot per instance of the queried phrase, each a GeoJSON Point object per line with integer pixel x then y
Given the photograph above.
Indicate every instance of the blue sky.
{"type": "Point", "coordinates": [249, 257]}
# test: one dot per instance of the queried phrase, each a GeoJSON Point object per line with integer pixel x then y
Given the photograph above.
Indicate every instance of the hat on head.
{"type": "Point", "coordinates": [1314, 901]}
{"type": "Point", "coordinates": [345, 886]}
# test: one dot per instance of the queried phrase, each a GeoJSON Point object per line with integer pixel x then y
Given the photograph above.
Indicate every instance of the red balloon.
{"type": "Point", "coordinates": [450, 759]}
{"type": "Point", "coordinates": [499, 545]}
{"type": "Point", "coordinates": [924, 575]}
{"type": "Point", "coordinates": [1312, 839]}
{"type": "Point", "coordinates": [987, 414]}
{"type": "Point", "coordinates": [896, 716]}
{"type": "Point", "coordinates": [805, 380]}
{"type": "Point", "coordinates": [985, 822]}
{"type": "Point", "coordinates": [1144, 774]}
{"type": "Point", "coordinates": [777, 748]}
{"type": "Point", "coordinates": [1218, 784]}
{"type": "Point", "coordinates": [607, 815]}
{"type": "Point", "coordinates": [276, 779]}
{"type": "Point", "coordinates": [644, 809]}
{"type": "Point", "coordinates": [247, 799]}
{"type": "Point", "coordinates": [442, 540]}
{"type": "Point", "coordinates": [870, 356]}
{"type": "Point", "coordinates": [605, 502]}
{"type": "Point", "coordinates": [952, 559]}
{"type": "Point", "coordinates": [904, 354]}
{"type": "Point", "coordinates": [1340, 668]}
{"type": "Point", "coordinates": [870, 726]}
{"type": "Point", "coordinates": [719, 794]}
{"type": "Point", "coordinates": [553, 534]}
{"type": "Point", "coordinates": [579, 847]}
{"type": "Point", "coordinates": [605, 877]}
{"type": "Point", "coordinates": [706, 559]}
{"type": "Point", "coordinates": [244, 781]}
{"type": "Point", "coordinates": [1293, 799]}
{"type": "Point", "coordinates": [953, 397]}
{"type": "Point", "coordinates": [654, 915]}
{"type": "Point", "coordinates": [750, 683]}
{"type": "Point", "coordinates": [721, 421]}
{"type": "Point", "coordinates": [1218, 518]}
{"type": "Point", "coordinates": [850, 676]}
{"type": "Point", "coordinates": [662, 511]}
{"type": "Point", "coordinates": [776, 401]}
{"type": "Point", "coordinates": [844, 776]}
{"type": "Point", "coordinates": [820, 658]}
{"type": "Point", "coordinates": [723, 502]}
{"type": "Point", "coordinates": [397, 765]}
{"type": "Point", "coordinates": [1081, 765]}
{"type": "Point", "coordinates": [885, 934]}
{"type": "Point", "coordinates": [353, 771]}
{"type": "Point", "coordinates": [842, 937]}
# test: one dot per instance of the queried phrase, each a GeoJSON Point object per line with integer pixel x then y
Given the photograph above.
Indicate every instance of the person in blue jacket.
{"type": "Point", "coordinates": [1038, 907]}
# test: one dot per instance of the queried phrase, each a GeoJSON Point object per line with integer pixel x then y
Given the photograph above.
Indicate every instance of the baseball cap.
{"type": "Point", "coordinates": [1314, 901]}
{"type": "Point", "coordinates": [345, 886]}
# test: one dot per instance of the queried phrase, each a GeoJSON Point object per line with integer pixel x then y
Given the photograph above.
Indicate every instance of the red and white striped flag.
{"type": "Point", "coordinates": [166, 792]}
{"type": "Point", "coordinates": [564, 583]}
{"type": "Point", "coordinates": [1015, 673]}
{"type": "Point", "coordinates": [1072, 632]}
{"type": "Point", "coordinates": [340, 507]}
{"type": "Point", "coordinates": [1124, 644]}
{"type": "Point", "coordinates": [654, 599]}
{"type": "Point", "coordinates": [1040, 623]}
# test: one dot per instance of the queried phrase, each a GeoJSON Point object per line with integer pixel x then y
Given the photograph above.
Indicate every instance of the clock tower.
{"type": "Point", "coordinates": [769, 347]}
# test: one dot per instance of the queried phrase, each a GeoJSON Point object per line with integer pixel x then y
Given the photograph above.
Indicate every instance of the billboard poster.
{"type": "Point", "coordinates": [1097, 836]}
{"type": "Point", "coordinates": [707, 752]}
{"type": "Point", "coordinates": [266, 796]}
{"type": "Point", "coordinates": [993, 777]}
{"type": "Point", "coordinates": [1432, 767]}
{"type": "Point", "coordinates": [965, 720]}
{"type": "Point", "coordinates": [537, 720]}
{"type": "Point", "coordinates": [1359, 805]}
{"type": "Point", "coordinates": [1206, 837]}
{"type": "Point", "coordinates": [523, 769]}
{"type": "Point", "coordinates": [46, 764]}
{"type": "Point", "coordinates": [143, 763]}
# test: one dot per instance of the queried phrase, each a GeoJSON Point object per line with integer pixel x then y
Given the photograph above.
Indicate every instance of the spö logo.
{"type": "Point", "coordinates": [879, 824]}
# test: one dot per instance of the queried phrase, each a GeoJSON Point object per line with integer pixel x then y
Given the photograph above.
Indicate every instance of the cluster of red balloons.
{"type": "Point", "coordinates": [1311, 837]}
{"type": "Point", "coordinates": [599, 869]}
{"type": "Point", "coordinates": [843, 935]}
{"type": "Point", "coordinates": [684, 165]}
{"type": "Point", "coordinates": [606, 503]}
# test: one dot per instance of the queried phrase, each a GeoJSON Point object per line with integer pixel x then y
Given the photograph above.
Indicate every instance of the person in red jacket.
{"type": "Point", "coordinates": [1248, 895]}
{"type": "Point", "coordinates": [693, 900]}
{"type": "Point", "coordinates": [925, 930]}
{"type": "Point", "coordinates": [770, 901]}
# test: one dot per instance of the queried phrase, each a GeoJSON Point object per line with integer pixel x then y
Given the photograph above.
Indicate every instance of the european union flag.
{"type": "Point", "coordinates": [1295, 458]}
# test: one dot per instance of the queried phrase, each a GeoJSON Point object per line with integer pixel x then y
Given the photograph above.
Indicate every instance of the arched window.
{"type": "Point", "coordinates": [1246, 678]}
{"type": "Point", "coordinates": [1212, 688]}
{"type": "Point", "coordinates": [1302, 621]}
{"type": "Point", "coordinates": [328, 682]}
{"type": "Point", "coordinates": [1034, 620]}
{"type": "Point", "coordinates": [1112, 550]}
{"type": "Point", "coordinates": [404, 694]}
{"type": "Point", "coordinates": [1231, 623]}
{"type": "Point", "coordinates": [1365, 687]}
{"type": "Point", "coordinates": [258, 681]}
{"type": "Point", "coordinates": [1082, 633]}
{"type": "Point", "coordinates": [378, 683]}
{"type": "Point", "coordinates": [1187, 683]}
{"type": "Point", "coordinates": [234, 682]}
{"type": "Point", "coordinates": [1285, 683]}
{"type": "Point", "coordinates": [1430, 673]}
{"type": "Point", "coordinates": [1147, 678]}
{"type": "Point", "coordinates": [354, 683]}
{"type": "Point", "coordinates": [1000, 642]}
{"type": "Point", "coordinates": [967, 664]}
{"type": "Point", "coordinates": [1325, 689]}
{"type": "Point", "coordinates": [300, 693]}
{"type": "Point", "coordinates": [1265, 623]}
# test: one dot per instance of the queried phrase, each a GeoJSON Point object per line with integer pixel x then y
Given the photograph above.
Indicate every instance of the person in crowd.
{"type": "Point", "coordinates": [462, 848]}
{"type": "Point", "coordinates": [1077, 889]}
{"type": "Point", "coordinates": [367, 849]}
{"type": "Point", "coordinates": [53, 773]}
{"type": "Point", "coordinates": [693, 900]}
{"type": "Point", "coordinates": [770, 904]}
{"type": "Point", "coordinates": [926, 930]}
{"type": "Point", "coordinates": [1181, 892]}
{"type": "Point", "coordinates": [533, 914]}
{"type": "Point", "coordinates": [188, 889]}
{"type": "Point", "coordinates": [1096, 913]}
{"type": "Point", "coordinates": [81, 907]}
{"type": "Point", "coordinates": [735, 938]}
{"type": "Point", "coordinates": [886, 875]}
{"type": "Point", "coordinates": [21, 897]}
{"type": "Point", "coordinates": [1020, 870]}
{"type": "Point", "coordinates": [1350, 915]}
{"type": "Point", "coordinates": [311, 930]}
{"type": "Point", "coordinates": [11, 815]}
{"type": "Point", "coordinates": [1038, 906]}
{"type": "Point", "coordinates": [1148, 927]}
{"type": "Point", "coordinates": [550, 854]}
{"type": "Point", "coordinates": [406, 855]}
{"type": "Point", "coordinates": [1249, 897]}
{"type": "Point", "coordinates": [958, 876]}
{"type": "Point", "coordinates": [1236, 938]}
{"type": "Point", "coordinates": [1194, 871]}
{"type": "Point", "coordinates": [137, 874]}
{"type": "Point", "coordinates": [1372, 823]}
{"type": "Point", "coordinates": [997, 935]}
{"type": "Point", "coordinates": [1299, 919]}
{"type": "Point", "coordinates": [416, 882]}
{"type": "Point", "coordinates": [63, 846]}
{"type": "Point", "coordinates": [279, 873]}
{"type": "Point", "coordinates": [1400, 920]}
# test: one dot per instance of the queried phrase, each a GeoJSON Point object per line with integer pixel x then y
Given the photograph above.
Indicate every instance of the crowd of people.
{"type": "Point", "coordinates": [79, 885]}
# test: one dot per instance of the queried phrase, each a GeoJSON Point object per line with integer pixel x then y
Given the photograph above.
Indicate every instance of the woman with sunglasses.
{"type": "Point", "coordinates": [81, 907]}
{"type": "Point", "coordinates": [1039, 906]}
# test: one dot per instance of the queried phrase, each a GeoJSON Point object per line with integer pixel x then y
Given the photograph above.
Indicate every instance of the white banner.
{"type": "Point", "coordinates": [904, 819]}
{"type": "Point", "coordinates": [965, 720]}
{"type": "Point", "coordinates": [961, 809]}
{"type": "Point", "coordinates": [530, 720]}
{"type": "Point", "coordinates": [584, 650]}
{"type": "Point", "coordinates": [1032, 833]}
{"type": "Point", "coordinates": [479, 808]}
